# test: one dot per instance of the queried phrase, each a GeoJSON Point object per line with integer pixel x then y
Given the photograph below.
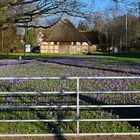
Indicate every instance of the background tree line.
{"type": "Point", "coordinates": [111, 24]}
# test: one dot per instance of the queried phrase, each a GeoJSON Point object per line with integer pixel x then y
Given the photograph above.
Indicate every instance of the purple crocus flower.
{"type": "Point", "coordinates": [9, 100]}
{"type": "Point", "coordinates": [1, 107]}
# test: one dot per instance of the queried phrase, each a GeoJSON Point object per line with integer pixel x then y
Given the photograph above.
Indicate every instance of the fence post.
{"type": "Point", "coordinates": [78, 106]}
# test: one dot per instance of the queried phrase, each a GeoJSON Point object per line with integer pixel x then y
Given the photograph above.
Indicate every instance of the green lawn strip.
{"type": "Point", "coordinates": [106, 127]}
{"type": "Point", "coordinates": [126, 57]}
{"type": "Point", "coordinates": [70, 127]}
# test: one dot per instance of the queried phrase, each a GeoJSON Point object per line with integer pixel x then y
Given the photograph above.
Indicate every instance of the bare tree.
{"type": "Point", "coordinates": [133, 6]}
{"type": "Point", "coordinates": [136, 8]}
{"type": "Point", "coordinates": [23, 12]}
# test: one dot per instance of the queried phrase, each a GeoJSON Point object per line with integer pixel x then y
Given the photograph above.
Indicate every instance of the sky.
{"type": "Point", "coordinates": [103, 4]}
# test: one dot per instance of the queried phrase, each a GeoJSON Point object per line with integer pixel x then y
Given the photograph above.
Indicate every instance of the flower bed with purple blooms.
{"type": "Point", "coordinates": [11, 62]}
{"type": "Point", "coordinates": [106, 64]}
{"type": "Point", "coordinates": [44, 69]}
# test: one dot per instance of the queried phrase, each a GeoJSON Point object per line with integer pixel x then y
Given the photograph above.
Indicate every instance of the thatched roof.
{"type": "Point", "coordinates": [65, 31]}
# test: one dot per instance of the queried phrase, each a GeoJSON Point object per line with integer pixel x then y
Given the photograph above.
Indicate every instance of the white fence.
{"type": "Point", "coordinates": [77, 106]}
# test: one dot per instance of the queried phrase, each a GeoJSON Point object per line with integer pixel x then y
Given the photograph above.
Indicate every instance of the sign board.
{"type": "Point", "coordinates": [27, 48]}
{"type": "Point", "coordinates": [116, 50]}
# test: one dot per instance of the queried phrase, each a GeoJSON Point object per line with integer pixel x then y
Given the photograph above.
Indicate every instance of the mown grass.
{"type": "Point", "coordinates": [128, 57]}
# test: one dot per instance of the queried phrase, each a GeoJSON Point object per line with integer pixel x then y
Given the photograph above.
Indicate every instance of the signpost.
{"type": "Point", "coordinates": [27, 48]}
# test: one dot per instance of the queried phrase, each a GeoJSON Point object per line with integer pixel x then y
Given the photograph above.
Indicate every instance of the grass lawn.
{"type": "Point", "coordinates": [129, 57]}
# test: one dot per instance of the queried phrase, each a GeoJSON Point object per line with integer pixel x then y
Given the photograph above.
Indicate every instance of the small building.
{"type": "Point", "coordinates": [65, 39]}
{"type": "Point", "coordinates": [27, 48]}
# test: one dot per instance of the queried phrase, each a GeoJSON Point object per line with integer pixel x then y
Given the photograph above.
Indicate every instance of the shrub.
{"type": "Point", "coordinates": [16, 47]}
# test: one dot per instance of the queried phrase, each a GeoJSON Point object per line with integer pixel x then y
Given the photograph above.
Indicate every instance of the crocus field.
{"type": "Point", "coordinates": [90, 67]}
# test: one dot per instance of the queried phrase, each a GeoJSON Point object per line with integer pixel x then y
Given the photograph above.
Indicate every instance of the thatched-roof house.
{"type": "Point", "coordinates": [65, 39]}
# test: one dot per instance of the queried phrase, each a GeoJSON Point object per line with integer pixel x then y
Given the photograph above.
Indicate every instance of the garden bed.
{"type": "Point", "coordinates": [105, 64]}
{"type": "Point", "coordinates": [43, 69]}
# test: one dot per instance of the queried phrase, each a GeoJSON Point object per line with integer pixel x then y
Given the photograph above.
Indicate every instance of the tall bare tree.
{"type": "Point", "coordinates": [23, 12]}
